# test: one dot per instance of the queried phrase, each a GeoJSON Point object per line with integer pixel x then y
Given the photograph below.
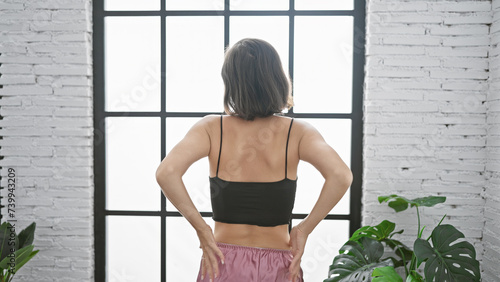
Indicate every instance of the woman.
{"type": "Point", "coordinates": [253, 153]}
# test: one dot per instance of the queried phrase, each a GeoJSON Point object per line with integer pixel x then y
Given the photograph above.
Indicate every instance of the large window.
{"type": "Point", "coordinates": [157, 71]}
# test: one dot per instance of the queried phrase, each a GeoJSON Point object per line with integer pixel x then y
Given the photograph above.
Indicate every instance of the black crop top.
{"type": "Point", "coordinates": [255, 203]}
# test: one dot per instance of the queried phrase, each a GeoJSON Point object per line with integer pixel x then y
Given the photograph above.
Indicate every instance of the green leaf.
{"type": "Point", "coordinates": [397, 232]}
{"type": "Point", "coordinates": [414, 277]}
{"type": "Point", "coordinates": [381, 231]}
{"type": "Point", "coordinates": [399, 203]}
{"type": "Point", "coordinates": [9, 242]}
{"type": "Point", "coordinates": [428, 201]}
{"type": "Point", "coordinates": [27, 235]}
{"type": "Point", "coordinates": [25, 260]}
{"type": "Point", "coordinates": [396, 202]}
{"type": "Point", "coordinates": [4, 237]}
{"type": "Point", "coordinates": [447, 260]}
{"type": "Point", "coordinates": [18, 257]}
{"type": "Point", "coordinates": [357, 260]}
{"type": "Point", "coordinates": [386, 274]}
{"type": "Point", "coordinates": [421, 232]}
{"type": "Point", "coordinates": [399, 249]}
{"type": "Point", "coordinates": [3, 263]}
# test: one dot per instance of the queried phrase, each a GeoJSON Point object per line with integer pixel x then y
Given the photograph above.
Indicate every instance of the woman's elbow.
{"type": "Point", "coordinates": [158, 175]}
{"type": "Point", "coordinates": [343, 178]}
{"type": "Point", "coordinates": [348, 178]}
{"type": "Point", "coordinates": [163, 172]}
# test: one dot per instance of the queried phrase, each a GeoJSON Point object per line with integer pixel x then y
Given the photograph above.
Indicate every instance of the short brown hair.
{"type": "Point", "coordinates": [255, 82]}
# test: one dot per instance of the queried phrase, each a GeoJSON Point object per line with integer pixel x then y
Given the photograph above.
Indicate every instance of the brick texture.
{"type": "Point", "coordinates": [491, 256]}
{"type": "Point", "coordinates": [47, 133]}
{"type": "Point", "coordinates": [432, 120]}
{"type": "Point", "coordinates": [432, 117]}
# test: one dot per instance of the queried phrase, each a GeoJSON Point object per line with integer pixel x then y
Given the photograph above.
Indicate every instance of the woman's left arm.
{"type": "Point", "coordinates": [194, 146]}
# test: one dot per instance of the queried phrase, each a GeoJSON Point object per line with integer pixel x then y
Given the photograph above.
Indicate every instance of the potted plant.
{"type": "Point", "coordinates": [371, 254]}
{"type": "Point", "coordinates": [15, 250]}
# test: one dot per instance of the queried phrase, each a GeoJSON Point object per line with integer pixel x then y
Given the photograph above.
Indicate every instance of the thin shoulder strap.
{"type": "Point", "coordinates": [286, 150]}
{"type": "Point", "coordinates": [220, 148]}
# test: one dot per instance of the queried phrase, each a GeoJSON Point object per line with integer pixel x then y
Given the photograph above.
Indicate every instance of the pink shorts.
{"type": "Point", "coordinates": [252, 264]}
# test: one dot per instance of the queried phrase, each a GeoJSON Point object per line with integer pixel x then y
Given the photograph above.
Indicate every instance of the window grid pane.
{"type": "Point", "coordinates": [132, 81]}
{"type": "Point", "coordinates": [184, 112]}
{"type": "Point", "coordinates": [132, 149]}
{"type": "Point", "coordinates": [322, 246]}
{"type": "Point", "coordinates": [193, 60]}
{"type": "Point", "coordinates": [324, 5]}
{"type": "Point", "coordinates": [183, 255]}
{"type": "Point", "coordinates": [127, 238]}
{"type": "Point", "coordinates": [191, 5]}
{"type": "Point", "coordinates": [131, 5]}
{"type": "Point", "coordinates": [259, 5]}
{"type": "Point", "coordinates": [323, 77]}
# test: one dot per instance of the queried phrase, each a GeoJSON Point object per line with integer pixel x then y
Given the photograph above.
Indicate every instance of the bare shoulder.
{"type": "Point", "coordinates": [311, 142]}
{"type": "Point", "coordinates": [302, 124]}
{"type": "Point", "coordinates": [209, 122]}
{"type": "Point", "coordinates": [303, 129]}
{"type": "Point", "coordinates": [210, 119]}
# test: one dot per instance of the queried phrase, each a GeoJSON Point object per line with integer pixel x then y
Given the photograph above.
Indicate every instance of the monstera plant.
{"type": "Point", "coordinates": [372, 254]}
{"type": "Point", "coordinates": [15, 250]}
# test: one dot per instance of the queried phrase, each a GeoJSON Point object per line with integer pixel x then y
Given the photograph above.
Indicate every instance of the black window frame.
{"type": "Point", "coordinates": [99, 113]}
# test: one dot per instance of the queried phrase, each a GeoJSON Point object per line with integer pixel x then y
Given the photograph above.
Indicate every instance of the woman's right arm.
{"type": "Point", "coordinates": [338, 177]}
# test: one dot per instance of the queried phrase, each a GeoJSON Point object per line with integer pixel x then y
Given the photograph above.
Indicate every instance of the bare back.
{"type": "Point", "coordinates": [253, 151]}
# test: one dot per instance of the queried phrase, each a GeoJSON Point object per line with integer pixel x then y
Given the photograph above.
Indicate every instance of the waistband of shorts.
{"type": "Point", "coordinates": [240, 247]}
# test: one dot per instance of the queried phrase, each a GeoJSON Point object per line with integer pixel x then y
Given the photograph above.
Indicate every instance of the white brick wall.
{"type": "Point", "coordinates": [432, 117]}
{"type": "Point", "coordinates": [46, 105]}
{"type": "Point", "coordinates": [432, 120]}
{"type": "Point", "coordinates": [491, 256]}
